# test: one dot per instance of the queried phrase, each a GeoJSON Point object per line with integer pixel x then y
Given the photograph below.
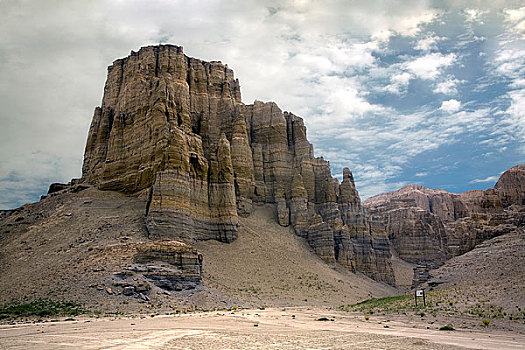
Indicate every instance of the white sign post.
{"type": "Point", "coordinates": [418, 293]}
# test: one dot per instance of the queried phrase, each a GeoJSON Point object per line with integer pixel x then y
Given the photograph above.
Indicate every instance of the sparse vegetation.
{"type": "Point", "coordinates": [41, 308]}
{"type": "Point", "coordinates": [388, 304]}
{"type": "Point", "coordinates": [444, 302]}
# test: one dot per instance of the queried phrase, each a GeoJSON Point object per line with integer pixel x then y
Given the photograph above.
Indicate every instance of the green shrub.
{"type": "Point", "coordinates": [42, 308]}
{"type": "Point", "coordinates": [448, 327]}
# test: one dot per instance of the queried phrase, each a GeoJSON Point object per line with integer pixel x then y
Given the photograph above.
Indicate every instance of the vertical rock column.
{"type": "Point", "coordinates": [242, 162]}
{"type": "Point", "coordinates": [364, 245]}
{"type": "Point", "coordinates": [300, 217]}
{"type": "Point", "coordinates": [222, 194]}
{"type": "Point", "coordinates": [179, 205]}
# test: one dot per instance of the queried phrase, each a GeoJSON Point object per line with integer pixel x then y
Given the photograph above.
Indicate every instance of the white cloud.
{"type": "Point", "coordinates": [338, 100]}
{"type": "Point", "coordinates": [509, 64]}
{"type": "Point", "coordinates": [399, 83]}
{"type": "Point", "coordinates": [430, 66]}
{"type": "Point", "coordinates": [450, 105]}
{"type": "Point", "coordinates": [412, 25]}
{"type": "Point", "coordinates": [513, 124]}
{"type": "Point", "coordinates": [474, 15]}
{"type": "Point", "coordinates": [516, 18]}
{"type": "Point", "coordinates": [487, 179]}
{"type": "Point", "coordinates": [428, 43]}
{"type": "Point", "coordinates": [408, 25]}
{"type": "Point", "coordinates": [395, 139]}
{"type": "Point", "coordinates": [447, 87]}
{"type": "Point", "coordinates": [514, 15]}
{"type": "Point", "coordinates": [518, 83]}
{"type": "Point", "coordinates": [510, 61]}
{"type": "Point", "coordinates": [426, 67]}
{"type": "Point", "coordinates": [374, 179]}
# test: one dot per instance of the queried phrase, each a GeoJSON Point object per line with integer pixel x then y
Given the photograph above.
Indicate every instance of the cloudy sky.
{"type": "Point", "coordinates": [425, 92]}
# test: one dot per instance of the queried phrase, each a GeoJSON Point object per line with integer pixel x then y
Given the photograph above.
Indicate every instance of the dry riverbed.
{"type": "Point", "coordinates": [289, 328]}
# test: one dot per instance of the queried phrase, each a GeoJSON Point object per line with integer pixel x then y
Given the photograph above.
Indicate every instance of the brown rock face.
{"type": "Point", "coordinates": [170, 265]}
{"type": "Point", "coordinates": [427, 226]}
{"type": "Point", "coordinates": [414, 218]}
{"type": "Point", "coordinates": [160, 128]}
{"type": "Point", "coordinates": [174, 127]}
{"type": "Point", "coordinates": [447, 206]}
{"type": "Point", "coordinates": [416, 234]}
{"type": "Point", "coordinates": [511, 186]}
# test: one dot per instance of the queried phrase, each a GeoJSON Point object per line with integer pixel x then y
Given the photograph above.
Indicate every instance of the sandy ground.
{"type": "Point", "coordinates": [291, 328]}
{"type": "Point", "coordinates": [268, 265]}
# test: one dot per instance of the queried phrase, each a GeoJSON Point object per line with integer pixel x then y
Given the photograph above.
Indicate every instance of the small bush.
{"type": "Point", "coordinates": [323, 319]}
{"type": "Point", "coordinates": [448, 327]}
{"type": "Point", "coordinates": [367, 317]}
{"type": "Point", "coordinates": [485, 322]}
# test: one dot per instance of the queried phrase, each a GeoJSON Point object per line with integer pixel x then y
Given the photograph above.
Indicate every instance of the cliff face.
{"type": "Point", "coordinates": [428, 226]}
{"type": "Point", "coordinates": [416, 234]}
{"type": "Point", "coordinates": [447, 206]}
{"type": "Point", "coordinates": [174, 128]}
{"type": "Point", "coordinates": [161, 129]}
{"type": "Point", "coordinates": [415, 217]}
{"type": "Point", "coordinates": [511, 187]}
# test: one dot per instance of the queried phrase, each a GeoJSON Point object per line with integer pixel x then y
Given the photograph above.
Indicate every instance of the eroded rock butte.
{"type": "Point", "coordinates": [173, 128]}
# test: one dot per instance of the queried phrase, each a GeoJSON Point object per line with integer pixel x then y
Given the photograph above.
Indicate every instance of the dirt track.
{"type": "Point", "coordinates": [276, 329]}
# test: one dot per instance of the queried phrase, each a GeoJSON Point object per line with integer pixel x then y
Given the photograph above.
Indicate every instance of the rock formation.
{"type": "Point", "coordinates": [414, 218]}
{"type": "Point", "coordinates": [511, 187]}
{"type": "Point", "coordinates": [170, 265]}
{"type": "Point", "coordinates": [174, 128]}
{"type": "Point", "coordinates": [427, 226]}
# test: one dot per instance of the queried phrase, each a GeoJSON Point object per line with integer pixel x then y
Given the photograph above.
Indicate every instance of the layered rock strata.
{"type": "Point", "coordinates": [416, 234]}
{"type": "Point", "coordinates": [170, 265]}
{"type": "Point", "coordinates": [174, 128]}
{"type": "Point", "coordinates": [427, 226]}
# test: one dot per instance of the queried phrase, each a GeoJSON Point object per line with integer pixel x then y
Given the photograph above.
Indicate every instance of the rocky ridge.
{"type": "Point", "coordinates": [428, 227]}
{"type": "Point", "coordinates": [173, 129]}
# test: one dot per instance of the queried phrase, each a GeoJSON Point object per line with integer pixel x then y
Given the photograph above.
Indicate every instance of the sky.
{"type": "Point", "coordinates": [423, 92]}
